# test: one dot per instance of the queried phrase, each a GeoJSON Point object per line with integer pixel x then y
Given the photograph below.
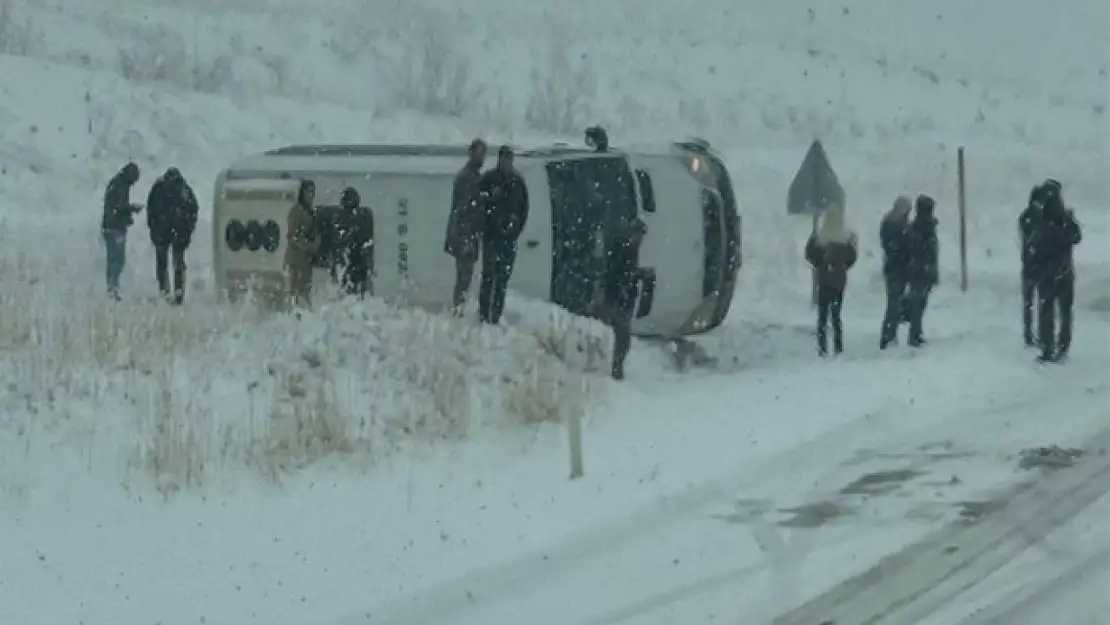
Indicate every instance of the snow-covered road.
{"type": "Point", "coordinates": [1063, 578]}
{"type": "Point", "coordinates": [785, 527]}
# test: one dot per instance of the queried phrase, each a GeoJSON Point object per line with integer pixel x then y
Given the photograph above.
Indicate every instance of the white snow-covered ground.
{"type": "Point", "coordinates": [368, 465]}
{"type": "Point", "coordinates": [1063, 577]}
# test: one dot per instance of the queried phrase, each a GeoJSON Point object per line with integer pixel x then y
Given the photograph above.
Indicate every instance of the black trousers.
{"type": "Point", "coordinates": [464, 275]}
{"type": "Point", "coordinates": [497, 267]}
{"type": "Point", "coordinates": [1053, 293]}
{"type": "Point", "coordinates": [618, 316]}
{"type": "Point", "coordinates": [356, 279]}
{"type": "Point", "coordinates": [916, 302]}
{"type": "Point", "coordinates": [830, 301]}
{"type": "Point", "coordinates": [895, 307]}
{"type": "Point", "coordinates": [161, 270]}
{"type": "Point", "coordinates": [1028, 303]}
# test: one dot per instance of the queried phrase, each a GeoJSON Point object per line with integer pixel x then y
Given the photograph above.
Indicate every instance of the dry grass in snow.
{"type": "Point", "coordinates": [186, 395]}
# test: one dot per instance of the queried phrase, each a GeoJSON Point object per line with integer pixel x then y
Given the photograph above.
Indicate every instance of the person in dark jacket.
{"type": "Point", "coordinates": [464, 225]}
{"type": "Point", "coordinates": [356, 241]}
{"type": "Point", "coordinates": [505, 203]}
{"type": "Point", "coordinates": [1028, 222]}
{"type": "Point", "coordinates": [832, 251]}
{"type": "Point", "coordinates": [1053, 268]}
{"type": "Point", "coordinates": [171, 216]}
{"type": "Point", "coordinates": [597, 138]}
{"type": "Point", "coordinates": [622, 284]}
{"type": "Point", "coordinates": [119, 215]}
{"type": "Point", "coordinates": [302, 243]}
{"type": "Point", "coordinates": [922, 270]}
{"type": "Point", "coordinates": [894, 240]}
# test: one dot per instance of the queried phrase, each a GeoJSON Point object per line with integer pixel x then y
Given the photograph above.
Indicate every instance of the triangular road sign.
{"type": "Point", "coordinates": [815, 187]}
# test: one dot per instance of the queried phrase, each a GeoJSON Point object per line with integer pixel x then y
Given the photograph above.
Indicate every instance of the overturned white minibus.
{"type": "Point", "coordinates": [682, 191]}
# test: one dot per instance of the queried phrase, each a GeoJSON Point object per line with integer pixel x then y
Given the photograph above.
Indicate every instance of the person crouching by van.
{"type": "Point", "coordinates": [505, 203]}
{"type": "Point", "coordinates": [622, 284]}
{"type": "Point", "coordinates": [171, 216]}
{"type": "Point", "coordinates": [894, 240]}
{"type": "Point", "coordinates": [356, 224]}
{"type": "Point", "coordinates": [832, 251]}
{"type": "Point", "coordinates": [464, 224]}
{"type": "Point", "coordinates": [923, 271]}
{"type": "Point", "coordinates": [302, 243]}
{"type": "Point", "coordinates": [119, 215]}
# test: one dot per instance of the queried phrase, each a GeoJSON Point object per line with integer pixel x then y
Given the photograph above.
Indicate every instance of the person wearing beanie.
{"type": "Point", "coordinates": [1053, 268]}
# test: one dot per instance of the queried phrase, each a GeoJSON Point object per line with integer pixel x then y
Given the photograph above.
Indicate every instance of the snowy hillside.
{"type": "Point", "coordinates": [369, 465]}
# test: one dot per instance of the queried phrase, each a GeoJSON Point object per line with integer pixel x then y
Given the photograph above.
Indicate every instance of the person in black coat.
{"type": "Point", "coordinates": [1053, 268]}
{"type": "Point", "coordinates": [622, 284]}
{"type": "Point", "coordinates": [464, 224]}
{"type": "Point", "coordinates": [505, 201]}
{"type": "Point", "coordinates": [922, 269]}
{"type": "Point", "coordinates": [118, 217]}
{"type": "Point", "coordinates": [171, 215]}
{"type": "Point", "coordinates": [356, 243]}
{"type": "Point", "coordinates": [1028, 222]}
{"type": "Point", "coordinates": [894, 238]}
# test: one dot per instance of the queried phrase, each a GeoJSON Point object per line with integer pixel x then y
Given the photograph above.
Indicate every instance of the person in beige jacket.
{"type": "Point", "coordinates": [303, 241]}
{"type": "Point", "coordinates": [832, 251]}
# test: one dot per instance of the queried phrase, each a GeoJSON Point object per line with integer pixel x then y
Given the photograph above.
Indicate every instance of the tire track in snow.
{"type": "Point", "coordinates": [771, 534]}
{"type": "Point", "coordinates": [485, 585]}
{"type": "Point", "coordinates": [909, 586]}
{"type": "Point", "coordinates": [1019, 602]}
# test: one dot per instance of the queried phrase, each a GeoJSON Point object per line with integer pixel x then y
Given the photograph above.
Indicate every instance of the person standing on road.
{"type": "Point", "coordinates": [464, 224]}
{"type": "Point", "coordinates": [832, 251]}
{"type": "Point", "coordinates": [302, 242]}
{"type": "Point", "coordinates": [1028, 222]}
{"type": "Point", "coordinates": [923, 271]}
{"type": "Point", "coordinates": [1053, 244]}
{"type": "Point", "coordinates": [119, 215]}
{"type": "Point", "coordinates": [893, 238]}
{"type": "Point", "coordinates": [171, 216]}
{"type": "Point", "coordinates": [505, 203]}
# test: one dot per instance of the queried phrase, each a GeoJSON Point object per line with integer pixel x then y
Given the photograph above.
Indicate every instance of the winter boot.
{"type": "Point", "coordinates": [618, 371]}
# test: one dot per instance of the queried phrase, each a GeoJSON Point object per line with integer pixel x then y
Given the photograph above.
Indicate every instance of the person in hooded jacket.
{"type": "Point", "coordinates": [171, 216]}
{"type": "Point", "coordinates": [302, 238]}
{"type": "Point", "coordinates": [1028, 222]}
{"type": "Point", "coordinates": [464, 225]}
{"type": "Point", "coordinates": [622, 284]}
{"type": "Point", "coordinates": [894, 240]}
{"type": "Point", "coordinates": [922, 270]}
{"type": "Point", "coordinates": [118, 217]}
{"type": "Point", "coordinates": [832, 251]}
{"type": "Point", "coordinates": [505, 202]}
{"type": "Point", "coordinates": [356, 241]}
{"type": "Point", "coordinates": [1053, 267]}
